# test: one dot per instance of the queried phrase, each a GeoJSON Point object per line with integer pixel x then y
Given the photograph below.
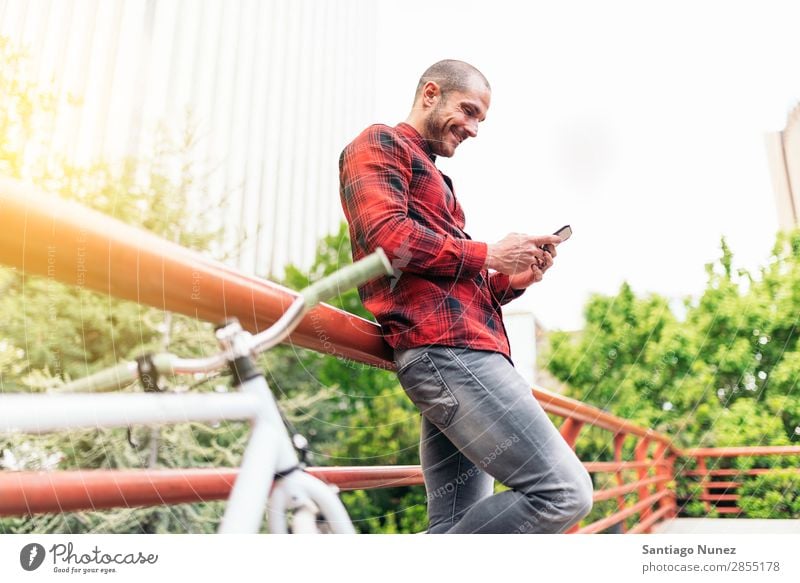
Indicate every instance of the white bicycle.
{"type": "Point", "coordinates": [271, 475]}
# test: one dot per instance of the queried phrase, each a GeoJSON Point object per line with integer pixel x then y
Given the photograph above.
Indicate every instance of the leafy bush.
{"type": "Point", "coordinates": [772, 495]}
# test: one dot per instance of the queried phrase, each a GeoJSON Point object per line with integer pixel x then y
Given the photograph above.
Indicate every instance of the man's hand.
{"type": "Point", "coordinates": [517, 254]}
{"type": "Point", "coordinates": [535, 274]}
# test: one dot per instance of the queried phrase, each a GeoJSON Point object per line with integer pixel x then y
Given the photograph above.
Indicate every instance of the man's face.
{"type": "Point", "coordinates": [455, 118]}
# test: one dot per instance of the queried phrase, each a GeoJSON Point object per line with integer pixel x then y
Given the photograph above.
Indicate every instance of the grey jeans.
{"type": "Point", "coordinates": [480, 422]}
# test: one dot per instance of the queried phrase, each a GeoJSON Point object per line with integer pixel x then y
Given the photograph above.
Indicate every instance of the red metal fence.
{"type": "Point", "coordinates": [47, 236]}
{"type": "Point", "coordinates": [721, 496]}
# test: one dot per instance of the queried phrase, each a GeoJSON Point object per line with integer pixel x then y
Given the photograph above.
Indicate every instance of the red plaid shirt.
{"type": "Point", "coordinates": [394, 197]}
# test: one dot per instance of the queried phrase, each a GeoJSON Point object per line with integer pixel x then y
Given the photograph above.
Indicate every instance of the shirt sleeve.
{"type": "Point", "coordinates": [375, 173]}
{"type": "Point", "coordinates": [501, 289]}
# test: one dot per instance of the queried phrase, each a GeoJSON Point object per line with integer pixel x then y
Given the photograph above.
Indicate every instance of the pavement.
{"type": "Point", "coordinates": [727, 526]}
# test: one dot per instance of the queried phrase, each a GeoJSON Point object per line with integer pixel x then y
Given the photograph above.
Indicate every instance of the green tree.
{"type": "Point", "coordinates": [52, 333]}
{"type": "Point", "coordinates": [738, 341]}
{"type": "Point", "coordinates": [725, 375]}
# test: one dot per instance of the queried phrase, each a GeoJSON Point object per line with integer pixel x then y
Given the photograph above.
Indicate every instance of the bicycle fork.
{"type": "Point", "coordinates": [270, 453]}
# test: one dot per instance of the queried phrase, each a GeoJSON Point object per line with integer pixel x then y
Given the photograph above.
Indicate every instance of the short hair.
{"type": "Point", "coordinates": [450, 75]}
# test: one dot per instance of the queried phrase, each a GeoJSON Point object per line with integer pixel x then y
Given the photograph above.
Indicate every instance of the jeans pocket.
{"type": "Point", "coordinates": [424, 385]}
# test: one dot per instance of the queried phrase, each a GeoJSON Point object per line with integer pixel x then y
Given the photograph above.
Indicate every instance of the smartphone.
{"type": "Point", "coordinates": [564, 232]}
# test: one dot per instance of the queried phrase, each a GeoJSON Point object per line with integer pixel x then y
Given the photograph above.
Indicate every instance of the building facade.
{"type": "Point", "coordinates": [783, 150]}
{"type": "Point", "coordinates": [272, 90]}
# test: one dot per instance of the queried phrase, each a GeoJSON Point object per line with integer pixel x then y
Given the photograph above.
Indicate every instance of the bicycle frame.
{"type": "Point", "coordinates": [38, 414]}
{"type": "Point", "coordinates": [269, 450]}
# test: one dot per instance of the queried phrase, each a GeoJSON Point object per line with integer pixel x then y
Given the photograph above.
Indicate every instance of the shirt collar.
{"type": "Point", "coordinates": [411, 133]}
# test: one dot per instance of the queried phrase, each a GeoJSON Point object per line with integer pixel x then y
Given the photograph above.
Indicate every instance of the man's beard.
{"type": "Point", "coordinates": [434, 130]}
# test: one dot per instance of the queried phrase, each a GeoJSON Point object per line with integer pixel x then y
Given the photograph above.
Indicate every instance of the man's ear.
{"type": "Point", "coordinates": [430, 93]}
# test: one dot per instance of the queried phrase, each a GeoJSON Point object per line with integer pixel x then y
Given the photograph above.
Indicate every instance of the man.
{"type": "Point", "coordinates": [441, 314]}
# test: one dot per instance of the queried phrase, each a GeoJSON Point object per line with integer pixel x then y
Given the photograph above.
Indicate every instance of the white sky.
{"type": "Point", "coordinates": [641, 124]}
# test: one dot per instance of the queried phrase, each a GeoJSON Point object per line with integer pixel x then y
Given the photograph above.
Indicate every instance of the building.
{"type": "Point", "coordinates": [273, 88]}
{"type": "Point", "coordinates": [529, 341]}
{"type": "Point", "coordinates": [522, 329]}
{"type": "Point", "coordinates": [783, 151]}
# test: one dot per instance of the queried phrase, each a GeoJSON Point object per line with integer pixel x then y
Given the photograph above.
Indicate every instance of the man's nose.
{"type": "Point", "coordinates": [472, 128]}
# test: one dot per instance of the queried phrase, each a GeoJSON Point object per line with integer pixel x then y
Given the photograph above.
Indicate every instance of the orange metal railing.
{"type": "Point", "coordinates": [655, 501]}
{"type": "Point", "coordinates": [721, 496]}
{"type": "Point", "coordinates": [47, 236]}
{"type": "Point", "coordinates": [27, 493]}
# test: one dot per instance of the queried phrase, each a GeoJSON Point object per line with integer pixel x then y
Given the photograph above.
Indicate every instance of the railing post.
{"type": "Point", "coordinates": [619, 440]}
{"type": "Point", "coordinates": [570, 429]}
{"type": "Point", "coordinates": [664, 472]}
{"type": "Point", "coordinates": [670, 469]}
{"type": "Point", "coordinates": [704, 480]}
{"type": "Point", "coordinates": [640, 455]}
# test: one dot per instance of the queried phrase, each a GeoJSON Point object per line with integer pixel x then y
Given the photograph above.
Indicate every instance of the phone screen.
{"type": "Point", "coordinates": [564, 232]}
